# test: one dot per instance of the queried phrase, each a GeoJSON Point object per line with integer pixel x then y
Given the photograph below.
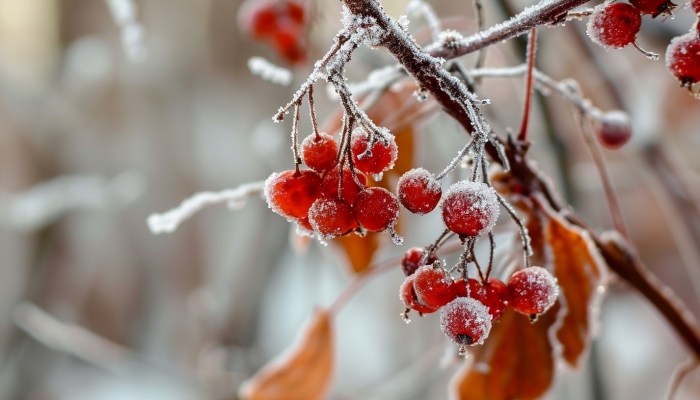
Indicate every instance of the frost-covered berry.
{"type": "Point", "coordinates": [381, 157]}
{"type": "Point", "coordinates": [331, 217]}
{"type": "Point", "coordinates": [319, 152]}
{"type": "Point", "coordinates": [433, 286]}
{"type": "Point", "coordinates": [350, 187]}
{"type": "Point", "coordinates": [654, 7]}
{"type": "Point", "coordinates": [376, 209]}
{"type": "Point", "coordinates": [532, 291]}
{"type": "Point", "coordinates": [695, 5]}
{"type": "Point", "coordinates": [419, 191]}
{"type": "Point", "coordinates": [615, 25]}
{"type": "Point", "coordinates": [413, 259]}
{"type": "Point", "coordinates": [492, 294]}
{"type": "Point", "coordinates": [408, 295]}
{"type": "Point", "coordinates": [465, 321]}
{"type": "Point", "coordinates": [683, 58]}
{"type": "Point", "coordinates": [291, 193]}
{"type": "Point", "coordinates": [613, 129]}
{"type": "Point", "coordinates": [470, 208]}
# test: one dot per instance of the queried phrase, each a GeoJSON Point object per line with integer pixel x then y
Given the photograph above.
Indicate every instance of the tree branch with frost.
{"type": "Point", "coordinates": [269, 71]}
{"type": "Point", "coordinates": [169, 221]}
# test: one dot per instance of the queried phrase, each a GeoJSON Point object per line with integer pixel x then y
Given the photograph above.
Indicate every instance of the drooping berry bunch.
{"type": "Point", "coordinates": [279, 23]}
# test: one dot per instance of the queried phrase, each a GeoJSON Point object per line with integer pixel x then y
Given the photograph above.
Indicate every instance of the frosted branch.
{"type": "Point", "coordinates": [124, 15]}
{"type": "Point", "coordinates": [420, 7]}
{"type": "Point", "coordinates": [269, 71]}
{"type": "Point", "coordinates": [168, 222]}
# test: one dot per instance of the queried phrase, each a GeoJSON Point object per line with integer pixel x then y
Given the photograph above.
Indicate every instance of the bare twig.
{"type": "Point", "coordinates": [531, 53]}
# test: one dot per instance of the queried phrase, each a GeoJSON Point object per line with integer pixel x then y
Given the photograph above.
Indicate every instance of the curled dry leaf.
{"type": "Point", "coordinates": [304, 371]}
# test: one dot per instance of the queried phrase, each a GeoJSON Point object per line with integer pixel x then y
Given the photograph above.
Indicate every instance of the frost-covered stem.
{"type": "Point", "coordinates": [492, 248]}
{"type": "Point", "coordinates": [479, 11]}
{"type": "Point", "coordinates": [531, 53]}
{"type": "Point", "coordinates": [427, 12]}
{"type": "Point", "coordinates": [312, 111]}
{"type": "Point", "coordinates": [431, 249]}
{"type": "Point", "coordinates": [456, 161]}
{"type": "Point", "coordinates": [295, 137]}
{"type": "Point", "coordinates": [571, 15]}
{"type": "Point", "coordinates": [524, 235]}
{"type": "Point", "coordinates": [476, 262]}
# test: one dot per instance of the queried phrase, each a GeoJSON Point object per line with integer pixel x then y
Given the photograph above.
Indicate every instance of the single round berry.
{"type": "Point", "coordinates": [408, 296]}
{"type": "Point", "coordinates": [331, 217]}
{"type": "Point", "coordinates": [381, 157]}
{"type": "Point", "coordinates": [470, 208]}
{"type": "Point", "coordinates": [319, 152]}
{"type": "Point", "coordinates": [413, 259]}
{"type": "Point", "coordinates": [613, 129]}
{"type": "Point", "coordinates": [532, 291]}
{"type": "Point", "coordinates": [376, 209]}
{"type": "Point", "coordinates": [492, 294]}
{"type": "Point", "coordinates": [291, 193]}
{"type": "Point", "coordinates": [465, 321]}
{"type": "Point", "coordinates": [258, 18]}
{"type": "Point", "coordinates": [433, 286]}
{"type": "Point", "coordinates": [350, 188]}
{"type": "Point", "coordinates": [683, 58]}
{"type": "Point", "coordinates": [419, 191]}
{"type": "Point", "coordinates": [289, 44]}
{"type": "Point", "coordinates": [615, 25]}
{"type": "Point", "coordinates": [654, 7]}
{"type": "Point", "coordinates": [695, 5]}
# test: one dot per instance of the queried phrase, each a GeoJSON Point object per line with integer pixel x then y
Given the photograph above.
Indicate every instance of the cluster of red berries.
{"type": "Point", "coordinates": [615, 25]}
{"type": "Point", "coordinates": [279, 23]}
{"type": "Point", "coordinates": [469, 307]}
{"type": "Point", "coordinates": [683, 54]}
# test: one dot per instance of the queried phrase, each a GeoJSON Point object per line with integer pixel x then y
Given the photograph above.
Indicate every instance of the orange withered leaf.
{"type": "Point", "coordinates": [304, 371]}
{"type": "Point", "coordinates": [359, 250]}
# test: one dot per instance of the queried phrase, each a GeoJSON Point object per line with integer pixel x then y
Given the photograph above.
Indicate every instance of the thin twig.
{"type": "Point", "coordinates": [531, 54]}
{"type": "Point", "coordinates": [312, 111]}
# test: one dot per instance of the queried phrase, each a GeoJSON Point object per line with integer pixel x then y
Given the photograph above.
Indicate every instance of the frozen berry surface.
{"type": "Point", "coordinates": [466, 321]}
{"type": "Point", "coordinates": [470, 208]}
{"type": "Point", "coordinates": [615, 25]}
{"type": "Point", "coordinates": [419, 191]}
{"type": "Point", "coordinates": [291, 193]}
{"type": "Point", "coordinates": [376, 209]}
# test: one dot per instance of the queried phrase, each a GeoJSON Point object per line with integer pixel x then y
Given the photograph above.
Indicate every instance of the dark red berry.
{"type": "Point", "coordinates": [419, 191]}
{"type": "Point", "coordinates": [492, 295]}
{"type": "Point", "coordinates": [376, 209]}
{"type": "Point", "coordinates": [470, 208]}
{"type": "Point", "coordinates": [413, 259]}
{"type": "Point", "coordinates": [465, 321]}
{"type": "Point", "coordinates": [350, 187]}
{"type": "Point", "coordinates": [408, 296]}
{"type": "Point", "coordinates": [382, 155]}
{"type": "Point", "coordinates": [331, 217]}
{"type": "Point", "coordinates": [291, 193]}
{"type": "Point", "coordinates": [683, 58]}
{"type": "Point", "coordinates": [289, 44]}
{"type": "Point", "coordinates": [258, 18]}
{"type": "Point", "coordinates": [615, 25]}
{"type": "Point", "coordinates": [613, 129]}
{"type": "Point", "coordinates": [654, 7]}
{"type": "Point", "coordinates": [296, 12]}
{"type": "Point", "coordinates": [433, 286]}
{"type": "Point", "coordinates": [532, 291]}
{"type": "Point", "coordinates": [695, 5]}
{"type": "Point", "coordinates": [319, 152]}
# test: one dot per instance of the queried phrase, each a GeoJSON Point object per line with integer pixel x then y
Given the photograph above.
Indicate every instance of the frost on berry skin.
{"type": "Point", "coordinates": [466, 321]}
{"type": "Point", "coordinates": [376, 209]}
{"type": "Point", "coordinates": [291, 193]}
{"type": "Point", "coordinates": [695, 5]}
{"type": "Point", "coordinates": [614, 26]}
{"type": "Point", "coordinates": [408, 295]}
{"type": "Point", "coordinates": [331, 217]}
{"type": "Point", "coordinates": [683, 58]}
{"type": "Point", "coordinates": [613, 129]}
{"type": "Point", "coordinates": [654, 7]}
{"type": "Point", "coordinates": [470, 208]}
{"type": "Point", "coordinates": [492, 294]}
{"type": "Point", "coordinates": [413, 259]}
{"type": "Point", "coordinates": [319, 152]}
{"type": "Point", "coordinates": [532, 291]}
{"type": "Point", "coordinates": [433, 286]}
{"type": "Point", "coordinates": [350, 187]}
{"type": "Point", "coordinates": [419, 191]}
{"type": "Point", "coordinates": [381, 156]}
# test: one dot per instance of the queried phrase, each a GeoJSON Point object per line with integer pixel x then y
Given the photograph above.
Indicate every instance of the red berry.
{"type": "Point", "coordinates": [258, 18]}
{"type": "Point", "coordinates": [291, 193]}
{"type": "Point", "coordinates": [331, 217]}
{"type": "Point", "coordinates": [413, 259]}
{"type": "Point", "coordinates": [408, 296]}
{"type": "Point", "coordinates": [465, 321]}
{"type": "Point", "coordinates": [319, 152]}
{"type": "Point", "coordinates": [433, 286]}
{"type": "Point", "coordinates": [382, 155]}
{"type": "Point", "coordinates": [492, 295]}
{"type": "Point", "coordinates": [304, 227]}
{"type": "Point", "coordinates": [614, 26]}
{"type": "Point", "coordinates": [376, 209]}
{"type": "Point", "coordinates": [470, 208]}
{"type": "Point", "coordinates": [695, 5]}
{"type": "Point", "coordinates": [532, 291]}
{"type": "Point", "coordinates": [654, 7]}
{"type": "Point", "coordinates": [288, 43]}
{"type": "Point", "coordinates": [419, 191]}
{"type": "Point", "coordinates": [296, 12]}
{"type": "Point", "coordinates": [613, 129]}
{"type": "Point", "coordinates": [350, 187]}
{"type": "Point", "coordinates": [683, 58]}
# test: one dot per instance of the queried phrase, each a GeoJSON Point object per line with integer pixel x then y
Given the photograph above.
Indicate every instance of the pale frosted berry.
{"type": "Point", "coordinates": [613, 129]}
{"type": "Point", "coordinates": [413, 259]}
{"type": "Point", "coordinates": [319, 152]}
{"type": "Point", "coordinates": [532, 291]}
{"type": "Point", "coordinates": [470, 208]}
{"type": "Point", "coordinates": [376, 209]}
{"type": "Point", "coordinates": [419, 191]}
{"type": "Point", "coordinates": [291, 193]}
{"type": "Point", "coordinates": [350, 187]}
{"type": "Point", "coordinates": [492, 294]}
{"type": "Point", "coordinates": [465, 321]}
{"type": "Point", "coordinates": [615, 25]}
{"type": "Point", "coordinates": [654, 7]}
{"type": "Point", "coordinates": [381, 157]}
{"type": "Point", "coordinates": [683, 58]}
{"type": "Point", "coordinates": [408, 295]}
{"type": "Point", "coordinates": [331, 217]}
{"type": "Point", "coordinates": [433, 286]}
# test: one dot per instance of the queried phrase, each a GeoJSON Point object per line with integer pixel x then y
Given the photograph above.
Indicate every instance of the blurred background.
{"type": "Point", "coordinates": [112, 110]}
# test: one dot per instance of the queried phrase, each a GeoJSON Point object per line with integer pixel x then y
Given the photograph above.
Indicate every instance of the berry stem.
{"type": "Point", "coordinates": [312, 111]}
{"type": "Point", "coordinates": [531, 54]}
{"type": "Point", "coordinates": [492, 248]}
{"type": "Point", "coordinates": [524, 235]}
{"type": "Point", "coordinates": [295, 137]}
{"type": "Point", "coordinates": [648, 54]}
{"type": "Point", "coordinates": [472, 244]}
